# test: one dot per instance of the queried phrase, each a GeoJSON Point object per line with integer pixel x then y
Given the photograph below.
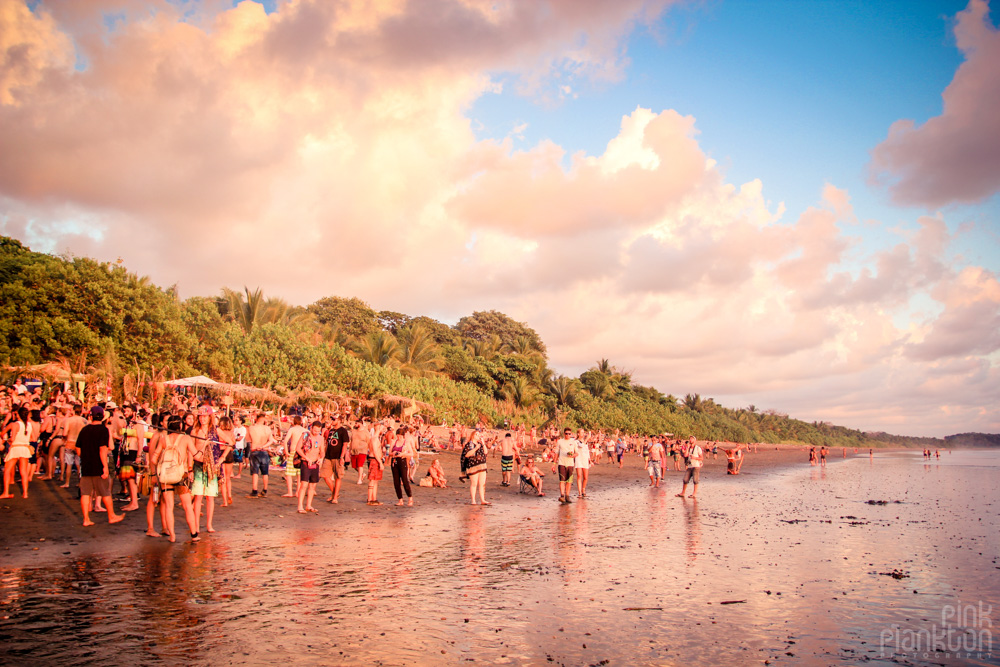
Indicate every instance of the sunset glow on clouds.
{"type": "Point", "coordinates": [331, 148]}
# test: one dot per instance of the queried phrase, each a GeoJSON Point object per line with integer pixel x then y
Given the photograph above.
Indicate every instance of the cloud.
{"type": "Point", "coordinates": [326, 148]}
{"type": "Point", "coordinates": [954, 157]}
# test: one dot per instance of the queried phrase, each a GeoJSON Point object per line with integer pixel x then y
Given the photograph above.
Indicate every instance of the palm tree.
{"type": "Point", "coordinates": [693, 402]}
{"type": "Point", "coordinates": [522, 346]}
{"type": "Point", "coordinates": [486, 349]}
{"type": "Point", "coordinates": [418, 352]}
{"type": "Point", "coordinates": [598, 384]}
{"type": "Point", "coordinates": [604, 367]}
{"type": "Point", "coordinates": [563, 389]}
{"type": "Point", "coordinates": [277, 311]}
{"type": "Point", "coordinates": [520, 392]}
{"type": "Point", "coordinates": [246, 312]}
{"type": "Point", "coordinates": [378, 347]}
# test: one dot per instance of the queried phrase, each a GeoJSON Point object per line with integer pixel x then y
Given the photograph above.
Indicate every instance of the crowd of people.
{"type": "Point", "coordinates": [190, 451]}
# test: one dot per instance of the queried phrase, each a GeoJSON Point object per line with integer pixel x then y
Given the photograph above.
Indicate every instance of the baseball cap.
{"type": "Point", "coordinates": [97, 412]}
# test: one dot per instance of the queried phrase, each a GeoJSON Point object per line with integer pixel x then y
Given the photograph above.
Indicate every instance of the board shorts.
{"type": "Point", "coordinates": [95, 486]}
{"type": "Point", "coordinates": [506, 463]}
{"type": "Point", "coordinates": [291, 470]}
{"type": "Point", "coordinates": [654, 469]}
{"type": "Point", "coordinates": [692, 475]}
{"type": "Point", "coordinates": [374, 471]}
{"type": "Point", "coordinates": [332, 468]}
{"type": "Point", "coordinates": [358, 461]}
{"type": "Point", "coordinates": [309, 474]}
{"type": "Point", "coordinates": [260, 462]}
{"type": "Point", "coordinates": [70, 458]}
{"type": "Point", "coordinates": [238, 456]}
{"type": "Point", "coordinates": [565, 472]}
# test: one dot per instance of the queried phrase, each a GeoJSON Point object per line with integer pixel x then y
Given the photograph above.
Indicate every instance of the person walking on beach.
{"type": "Point", "coordinates": [474, 455]}
{"type": "Point", "coordinates": [259, 438]}
{"type": "Point", "coordinates": [375, 468]}
{"type": "Point", "coordinates": [695, 459]}
{"type": "Point", "coordinates": [310, 449]}
{"type": "Point", "coordinates": [655, 463]}
{"type": "Point", "coordinates": [581, 468]}
{"type": "Point", "coordinates": [361, 440]}
{"type": "Point", "coordinates": [565, 455]}
{"type": "Point", "coordinates": [337, 440]}
{"type": "Point", "coordinates": [400, 455]}
{"type": "Point", "coordinates": [94, 442]}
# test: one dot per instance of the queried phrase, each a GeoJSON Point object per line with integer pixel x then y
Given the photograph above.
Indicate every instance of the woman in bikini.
{"type": "Point", "coordinates": [181, 445]}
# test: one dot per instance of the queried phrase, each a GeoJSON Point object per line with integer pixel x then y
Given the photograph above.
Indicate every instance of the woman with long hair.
{"type": "Point", "coordinates": [225, 430]}
{"type": "Point", "coordinates": [401, 452]}
{"type": "Point", "coordinates": [175, 446]}
{"type": "Point", "coordinates": [18, 453]}
{"type": "Point", "coordinates": [210, 451]}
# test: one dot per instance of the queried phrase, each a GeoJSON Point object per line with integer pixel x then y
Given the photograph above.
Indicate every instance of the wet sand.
{"type": "Point", "coordinates": [784, 564]}
{"type": "Point", "coordinates": [53, 514]}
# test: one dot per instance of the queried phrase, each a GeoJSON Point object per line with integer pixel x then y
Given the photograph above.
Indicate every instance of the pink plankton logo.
{"type": "Point", "coordinates": [965, 633]}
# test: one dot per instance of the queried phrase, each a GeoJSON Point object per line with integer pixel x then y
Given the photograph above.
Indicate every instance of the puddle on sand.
{"type": "Point", "coordinates": [631, 576]}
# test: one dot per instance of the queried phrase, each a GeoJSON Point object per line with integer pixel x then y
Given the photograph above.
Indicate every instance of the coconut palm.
{"type": "Point", "coordinates": [487, 348]}
{"type": "Point", "coordinates": [246, 312]}
{"type": "Point", "coordinates": [378, 347]}
{"type": "Point", "coordinates": [418, 352]}
{"type": "Point", "coordinates": [522, 346]}
{"type": "Point", "coordinates": [520, 393]}
{"type": "Point", "coordinates": [563, 390]}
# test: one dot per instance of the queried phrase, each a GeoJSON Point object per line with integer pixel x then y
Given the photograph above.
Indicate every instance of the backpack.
{"type": "Point", "coordinates": [170, 469]}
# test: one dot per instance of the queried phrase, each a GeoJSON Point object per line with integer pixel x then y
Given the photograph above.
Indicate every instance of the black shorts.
{"type": "Point", "coordinates": [565, 472]}
{"type": "Point", "coordinates": [309, 475]}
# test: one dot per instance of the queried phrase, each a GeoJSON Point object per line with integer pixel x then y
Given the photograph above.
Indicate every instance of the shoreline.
{"type": "Point", "coordinates": [48, 524]}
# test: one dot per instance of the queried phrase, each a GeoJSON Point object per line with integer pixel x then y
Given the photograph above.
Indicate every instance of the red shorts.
{"type": "Point", "coordinates": [374, 471]}
{"type": "Point", "coordinates": [358, 461]}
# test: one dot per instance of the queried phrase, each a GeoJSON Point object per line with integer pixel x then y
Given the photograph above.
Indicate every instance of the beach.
{"type": "Point", "coordinates": [783, 564]}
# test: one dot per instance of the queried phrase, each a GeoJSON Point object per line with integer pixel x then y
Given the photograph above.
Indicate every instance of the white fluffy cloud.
{"type": "Point", "coordinates": [325, 149]}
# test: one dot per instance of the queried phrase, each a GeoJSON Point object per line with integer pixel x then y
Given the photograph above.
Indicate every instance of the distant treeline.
{"type": "Point", "coordinates": [99, 320]}
{"type": "Point", "coordinates": [972, 440]}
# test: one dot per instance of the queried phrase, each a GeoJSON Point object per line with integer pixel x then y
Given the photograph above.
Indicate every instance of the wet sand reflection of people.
{"type": "Point", "coordinates": [473, 545]}
{"type": "Point", "coordinates": [692, 530]}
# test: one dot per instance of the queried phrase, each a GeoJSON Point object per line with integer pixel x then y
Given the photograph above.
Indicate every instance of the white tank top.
{"type": "Point", "coordinates": [21, 437]}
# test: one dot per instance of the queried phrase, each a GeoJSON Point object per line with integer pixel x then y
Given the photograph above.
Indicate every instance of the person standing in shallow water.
{"type": "Point", "coordinates": [565, 455]}
{"type": "Point", "coordinates": [474, 455]}
{"type": "Point", "coordinates": [695, 459]}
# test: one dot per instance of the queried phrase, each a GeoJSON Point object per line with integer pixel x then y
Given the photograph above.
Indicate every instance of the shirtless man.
{"type": "Point", "coordinates": [56, 442]}
{"type": "Point", "coordinates": [291, 440]}
{"type": "Point", "coordinates": [508, 450]}
{"type": "Point", "coordinates": [259, 437]}
{"type": "Point", "coordinates": [375, 467]}
{"type": "Point", "coordinates": [361, 440]}
{"type": "Point", "coordinates": [71, 454]}
{"type": "Point", "coordinates": [133, 435]}
{"type": "Point", "coordinates": [655, 463]}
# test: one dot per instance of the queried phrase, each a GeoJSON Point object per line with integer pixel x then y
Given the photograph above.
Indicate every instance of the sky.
{"type": "Point", "coordinates": [791, 205]}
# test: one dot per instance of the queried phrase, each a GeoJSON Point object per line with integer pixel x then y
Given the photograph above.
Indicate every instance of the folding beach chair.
{"type": "Point", "coordinates": [524, 485]}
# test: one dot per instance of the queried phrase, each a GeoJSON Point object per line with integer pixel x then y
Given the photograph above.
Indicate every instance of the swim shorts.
{"type": "Point", "coordinates": [374, 471]}
{"type": "Point", "coordinates": [565, 472]}
{"type": "Point", "coordinates": [260, 462]}
{"type": "Point", "coordinates": [358, 461]}
{"type": "Point", "coordinates": [692, 475]}
{"type": "Point", "coordinates": [309, 474]}
{"type": "Point", "coordinates": [506, 463]}
{"type": "Point", "coordinates": [95, 486]}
